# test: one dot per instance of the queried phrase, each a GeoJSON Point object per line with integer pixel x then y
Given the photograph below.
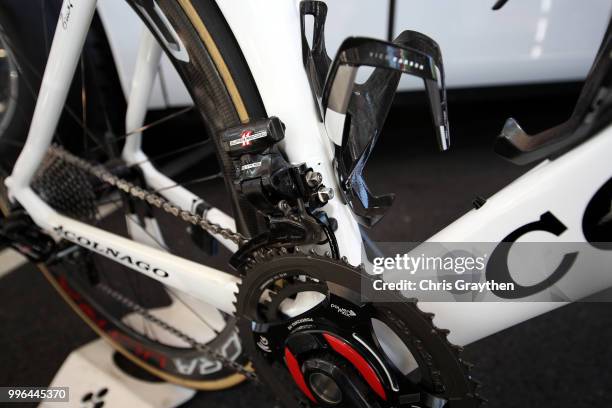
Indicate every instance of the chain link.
{"type": "Point", "coordinates": [100, 172]}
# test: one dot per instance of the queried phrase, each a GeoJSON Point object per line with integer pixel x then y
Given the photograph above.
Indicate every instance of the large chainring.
{"type": "Point", "coordinates": [282, 348]}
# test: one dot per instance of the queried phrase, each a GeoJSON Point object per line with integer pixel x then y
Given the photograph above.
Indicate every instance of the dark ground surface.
{"type": "Point", "coordinates": [561, 359]}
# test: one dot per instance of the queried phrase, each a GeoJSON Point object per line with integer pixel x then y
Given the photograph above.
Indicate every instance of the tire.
{"type": "Point", "coordinates": [225, 95]}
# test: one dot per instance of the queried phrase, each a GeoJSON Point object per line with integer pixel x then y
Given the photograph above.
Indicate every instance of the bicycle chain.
{"type": "Point", "coordinates": [100, 172]}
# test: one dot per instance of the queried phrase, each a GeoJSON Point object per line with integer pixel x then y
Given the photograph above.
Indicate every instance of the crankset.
{"type": "Point", "coordinates": [345, 351]}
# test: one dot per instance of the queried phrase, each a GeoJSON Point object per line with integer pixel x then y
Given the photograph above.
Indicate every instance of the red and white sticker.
{"type": "Point", "coordinates": [247, 136]}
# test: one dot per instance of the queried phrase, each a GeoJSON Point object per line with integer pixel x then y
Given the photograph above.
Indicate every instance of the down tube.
{"type": "Point", "coordinates": [562, 187]}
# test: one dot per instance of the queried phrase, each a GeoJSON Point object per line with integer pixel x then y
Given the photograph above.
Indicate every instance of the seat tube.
{"type": "Point", "coordinates": [72, 27]}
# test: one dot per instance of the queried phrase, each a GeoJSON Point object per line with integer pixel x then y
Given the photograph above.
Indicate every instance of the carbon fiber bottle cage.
{"type": "Point", "coordinates": [316, 61]}
{"type": "Point", "coordinates": [363, 107]}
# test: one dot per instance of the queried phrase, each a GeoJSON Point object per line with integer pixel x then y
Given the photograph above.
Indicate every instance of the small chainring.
{"type": "Point", "coordinates": [283, 349]}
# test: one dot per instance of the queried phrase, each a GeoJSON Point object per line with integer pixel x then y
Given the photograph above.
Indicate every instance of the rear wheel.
{"type": "Point", "coordinates": [111, 298]}
{"type": "Point", "coordinates": [16, 99]}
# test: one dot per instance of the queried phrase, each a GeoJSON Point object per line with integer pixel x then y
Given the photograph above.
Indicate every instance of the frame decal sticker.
{"type": "Point", "coordinates": [497, 268]}
{"type": "Point", "coordinates": [109, 252]}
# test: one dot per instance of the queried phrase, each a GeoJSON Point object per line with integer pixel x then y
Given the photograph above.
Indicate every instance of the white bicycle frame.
{"type": "Point", "coordinates": [562, 186]}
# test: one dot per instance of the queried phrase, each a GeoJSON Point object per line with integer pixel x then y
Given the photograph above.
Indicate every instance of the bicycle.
{"type": "Point", "coordinates": [292, 136]}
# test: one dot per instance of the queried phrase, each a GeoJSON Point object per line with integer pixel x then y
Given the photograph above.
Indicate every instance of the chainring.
{"type": "Point", "coordinates": [442, 377]}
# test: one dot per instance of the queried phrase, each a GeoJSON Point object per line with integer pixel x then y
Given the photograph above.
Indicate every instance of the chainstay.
{"type": "Point", "coordinates": [103, 174]}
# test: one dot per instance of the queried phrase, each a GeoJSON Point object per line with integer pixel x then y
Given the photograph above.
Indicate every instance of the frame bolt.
{"type": "Point", "coordinates": [325, 194]}
{"type": "Point", "coordinates": [284, 206]}
{"type": "Point", "coordinates": [313, 178]}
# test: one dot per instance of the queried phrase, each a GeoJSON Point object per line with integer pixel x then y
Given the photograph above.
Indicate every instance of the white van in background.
{"type": "Point", "coordinates": [527, 41]}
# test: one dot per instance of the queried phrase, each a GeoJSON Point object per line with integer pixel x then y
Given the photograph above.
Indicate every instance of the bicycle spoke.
{"type": "Point", "coordinates": [148, 126]}
{"type": "Point", "coordinates": [143, 229]}
{"type": "Point", "coordinates": [66, 108]}
{"type": "Point", "coordinates": [188, 306]}
{"type": "Point", "coordinates": [167, 289]}
{"type": "Point", "coordinates": [21, 144]}
{"type": "Point", "coordinates": [83, 103]}
{"type": "Point", "coordinates": [171, 153]}
{"type": "Point", "coordinates": [45, 25]}
{"type": "Point", "coordinates": [162, 80]}
{"type": "Point", "coordinates": [11, 143]}
{"type": "Point", "coordinates": [190, 182]}
{"type": "Point", "coordinates": [34, 93]}
{"type": "Point", "coordinates": [147, 329]}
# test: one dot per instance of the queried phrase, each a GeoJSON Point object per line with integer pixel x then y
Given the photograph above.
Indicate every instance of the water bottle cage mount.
{"type": "Point", "coordinates": [354, 113]}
